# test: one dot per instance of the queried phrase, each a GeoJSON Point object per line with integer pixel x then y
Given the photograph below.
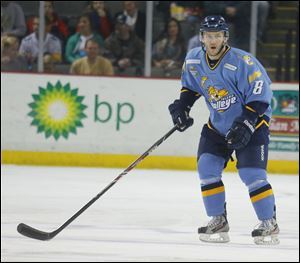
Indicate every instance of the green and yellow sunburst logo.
{"type": "Point", "coordinates": [57, 110]}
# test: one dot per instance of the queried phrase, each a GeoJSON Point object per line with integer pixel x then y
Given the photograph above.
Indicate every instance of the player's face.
{"type": "Point", "coordinates": [213, 42]}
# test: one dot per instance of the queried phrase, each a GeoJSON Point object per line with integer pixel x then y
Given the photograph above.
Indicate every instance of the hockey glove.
{"type": "Point", "coordinates": [240, 133]}
{"type": "Point", "coordinates": [180, 115]}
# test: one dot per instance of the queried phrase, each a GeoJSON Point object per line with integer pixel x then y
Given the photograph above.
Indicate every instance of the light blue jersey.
{"type": "Point", "coordinates": [236, 80]}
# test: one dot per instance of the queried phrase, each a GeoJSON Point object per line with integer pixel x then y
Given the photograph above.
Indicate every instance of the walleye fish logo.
{"type": "Point", "coordinates": [219, 99]}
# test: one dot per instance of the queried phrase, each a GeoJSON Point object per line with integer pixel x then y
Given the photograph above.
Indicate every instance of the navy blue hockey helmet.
{"type": "Point", "coordinates": [214, 23]}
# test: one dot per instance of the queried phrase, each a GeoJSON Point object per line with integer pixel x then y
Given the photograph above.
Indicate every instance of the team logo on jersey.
{"type": "Point", "coordinates": [193, 71]}
{"type": "Point", "coordinates": [220, 100]}
{"type": "Point", "coordinates": [248, 60]}
{"type": "Point", "coordinates": [203, 79]}
{"type": "Point", "coordinates": [254, 76]}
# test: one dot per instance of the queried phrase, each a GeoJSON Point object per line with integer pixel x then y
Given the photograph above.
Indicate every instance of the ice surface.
{"type": "Point", "coordinates": [149, 215]}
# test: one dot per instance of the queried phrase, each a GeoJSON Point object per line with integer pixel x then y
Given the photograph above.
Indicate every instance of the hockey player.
{"type": "Point", "coordinates": [237, 92]}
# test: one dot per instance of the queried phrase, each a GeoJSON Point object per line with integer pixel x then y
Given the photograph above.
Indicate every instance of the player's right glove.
{"type": "Point", "coordinates": [180, 115]}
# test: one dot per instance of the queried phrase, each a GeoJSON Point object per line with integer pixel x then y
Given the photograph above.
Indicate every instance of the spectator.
{"type": "Point", "coordinates": [191, 11]}
{"type": "Point", "coordinates": [30, 44]}
{"type": "Point", "coordinates": [169, 50]}
{"type": "Point", "coordinates": [101, 18]}
{"type": "Point", "coordinates": [263, 14]}
{"type": "Point", "coordinates": [237, 13]}
{"type": "Point", "coordinates": [93, 63]}
{"type": "Point", "coordinates": [49, 65]}
{"type": "Point", "coordinates": [58, 26]}
{"type": "Point", "coordinates": [163, 9]}
{"type": "Point", "coordinates": [194, 42]}
{"type": "Point", "coordinates": [124, 48]}
{"type": "Point", "coordinates": [135, 18]}
{"type": "Point", "coordinates": [12, 19]}
{"type": "Point", "coordinates": [75, 47]}
{"type": "Point", "coordinates": [10, 59]}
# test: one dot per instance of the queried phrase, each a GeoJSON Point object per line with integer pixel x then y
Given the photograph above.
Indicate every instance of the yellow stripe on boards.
{"type": "Point", "coordinates": [122, 160]}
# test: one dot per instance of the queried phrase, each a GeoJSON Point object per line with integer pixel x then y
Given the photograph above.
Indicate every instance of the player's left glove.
{"type": "Point", "coordinates": [240, 133]}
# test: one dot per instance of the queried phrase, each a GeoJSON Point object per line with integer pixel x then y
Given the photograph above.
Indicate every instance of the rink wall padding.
{"type": "Point", "coordinates": [110, 121]}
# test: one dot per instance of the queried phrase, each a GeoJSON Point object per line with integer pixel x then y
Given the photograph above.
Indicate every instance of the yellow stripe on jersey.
{"type": "Point", "coordinates": [261, 123]}
{"type": "Point", "coordinates": [249, 108]}
{"type": "Point", "coordinates": [220, 59]}
{"type": "Point", "coordinates": [184, 90]}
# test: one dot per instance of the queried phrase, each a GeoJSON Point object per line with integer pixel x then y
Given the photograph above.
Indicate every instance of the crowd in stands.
{"type": "Point", "coordinates": [104, 43]}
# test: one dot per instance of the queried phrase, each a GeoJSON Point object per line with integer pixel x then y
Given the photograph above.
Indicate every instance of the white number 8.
{"type": "Point", "coordinates": [258, 87]}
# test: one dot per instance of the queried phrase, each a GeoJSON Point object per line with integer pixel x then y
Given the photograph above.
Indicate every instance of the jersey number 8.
{"type": "Point", "coordinates": [258, 87]}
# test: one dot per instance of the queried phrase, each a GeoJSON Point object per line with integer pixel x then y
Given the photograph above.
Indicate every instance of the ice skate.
{"type": "Point", "coordinates": [266, 232]}
{"type": "Point", "coordinates": [216, 230]}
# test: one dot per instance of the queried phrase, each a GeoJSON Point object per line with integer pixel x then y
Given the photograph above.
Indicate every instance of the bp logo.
{"type": "Point", "coordinates": [57, 110]}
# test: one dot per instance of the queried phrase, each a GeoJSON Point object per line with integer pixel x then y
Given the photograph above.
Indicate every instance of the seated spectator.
{"type": "Point", "coordinates": [190, 11]}
{"type": "Point", "coordinates": [124, 48]}
{"type": "Point", "coordinates": [49, 64]}
{"type": "Point", "coordinates": [93, 63]}
{"type": "Point", "coordinates": [12, 19]}
{"type": "Point", "coordinates": [194, 42]}
{"type": "Point", "coordinates": [101, 18]}
{"type": "Point", "coordinates": [134, 18]}
{"type": "Point", "coordinates": [58, 26]}
{"type": "Point", "coordinates": [75, 47]}
{"type": "Point", "coordinates": [238, 13]}
{"type": "Point", "coordinates": [10, 58]}
{"type": "Point", "coordinates": [30, 44]}
{"type": "Point", "coordinates": [169, 51]}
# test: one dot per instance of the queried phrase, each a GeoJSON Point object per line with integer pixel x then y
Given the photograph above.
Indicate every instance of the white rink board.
{"type": "Point", "coordinates": [149, 100]}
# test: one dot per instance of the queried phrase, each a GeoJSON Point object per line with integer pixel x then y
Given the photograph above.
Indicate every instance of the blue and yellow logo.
{"type": "Point", "coordinates": [219, 99]}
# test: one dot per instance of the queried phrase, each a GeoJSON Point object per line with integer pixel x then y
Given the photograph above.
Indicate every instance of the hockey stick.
{"type": "Point", "coordinates": [37, 234]}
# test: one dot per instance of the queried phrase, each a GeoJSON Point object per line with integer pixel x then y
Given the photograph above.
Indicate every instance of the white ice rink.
{"type": "Point", "coordinates": [149, 215]}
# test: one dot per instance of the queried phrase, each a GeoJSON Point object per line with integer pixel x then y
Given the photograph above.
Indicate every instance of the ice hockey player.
{"type": "Point", "coordinates": [237, 92]}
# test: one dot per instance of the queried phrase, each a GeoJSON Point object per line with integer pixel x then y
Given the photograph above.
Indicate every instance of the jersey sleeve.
{"type": "Point", "coordinates": [186, 80]}
{"type": "Point", "coordinates": [253, 81]}
{"type": "Point", "coordinates": [188, 97]}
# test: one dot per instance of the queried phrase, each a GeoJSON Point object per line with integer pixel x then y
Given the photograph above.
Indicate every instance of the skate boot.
{"type": "Point", "coordinates": [216, 230]}
{"type": "Point", "coordinates": [266, 233]}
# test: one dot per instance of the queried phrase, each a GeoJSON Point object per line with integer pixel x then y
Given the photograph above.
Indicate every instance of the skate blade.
{"type": "Point", "coordinates": [267, 240]}
{"type": "Point", "coordinates": [222, 237]}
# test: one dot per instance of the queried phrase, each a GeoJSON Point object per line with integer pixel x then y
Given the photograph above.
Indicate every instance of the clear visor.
{"type": "Point", "coordinates": [225, 35]}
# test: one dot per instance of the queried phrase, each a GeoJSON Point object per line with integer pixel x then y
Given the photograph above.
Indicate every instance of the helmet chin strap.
{"type": "Point", "coordinates": [221, 48]}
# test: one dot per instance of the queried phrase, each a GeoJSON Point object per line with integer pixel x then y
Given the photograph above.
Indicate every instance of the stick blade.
{"type": "Point", "coordinates": [31, 232]}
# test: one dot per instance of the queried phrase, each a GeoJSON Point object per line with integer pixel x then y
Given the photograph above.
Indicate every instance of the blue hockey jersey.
{"type": "Point", "coordinates": [236, 80]}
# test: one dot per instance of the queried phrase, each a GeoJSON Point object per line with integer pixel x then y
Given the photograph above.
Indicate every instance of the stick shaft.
{"type": "Point", "coordinates": [37, 234]}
